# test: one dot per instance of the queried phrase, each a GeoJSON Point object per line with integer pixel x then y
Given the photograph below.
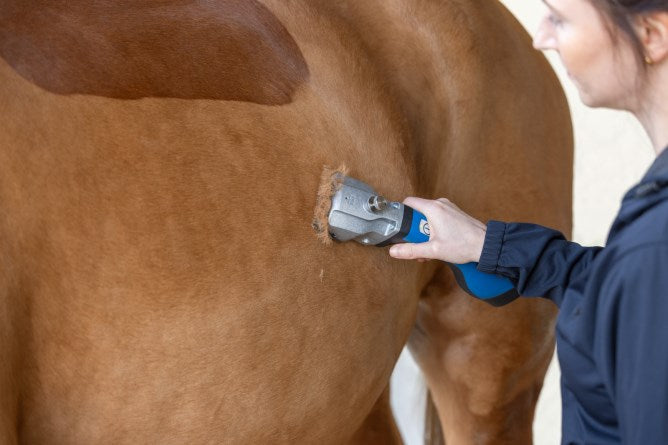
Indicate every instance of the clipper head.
{"type": "Point", "coordinates": [358, 213]}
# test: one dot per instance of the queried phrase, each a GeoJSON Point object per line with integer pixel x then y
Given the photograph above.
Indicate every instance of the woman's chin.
{"type": "Point", "coordinates": [603, 98]}
{"type": "Point", "coordinates": [590, 100]}
{"type": "Point", "coordinates": [585, 94]}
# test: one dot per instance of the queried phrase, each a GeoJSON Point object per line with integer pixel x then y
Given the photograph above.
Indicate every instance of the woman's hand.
{"type": "Point", "coordinates": [454, 237]}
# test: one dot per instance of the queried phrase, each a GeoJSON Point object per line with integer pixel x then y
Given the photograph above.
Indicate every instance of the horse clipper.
{"type": "Point", "coordinates": [358, 213]}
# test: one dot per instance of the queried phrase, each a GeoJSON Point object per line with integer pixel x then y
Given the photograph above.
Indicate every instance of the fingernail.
{"type": "Point", "coordinates": [394, 250]}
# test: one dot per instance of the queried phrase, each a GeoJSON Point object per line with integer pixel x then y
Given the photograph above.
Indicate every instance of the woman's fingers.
{"type": "Point", "coordinates": [409, 251]}
{"type": "Point", "coordinates": [454, 236]}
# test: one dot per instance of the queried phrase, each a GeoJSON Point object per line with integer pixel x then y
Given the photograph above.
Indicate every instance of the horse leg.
{"type": "Point", "coordinates": [483, 365]}
{"type": "Point", "coordinates": [8, 388]}
{"type": "Point", "coordinates": [9, 353]}
{"type": "Point", "coordinates": [379, 427]}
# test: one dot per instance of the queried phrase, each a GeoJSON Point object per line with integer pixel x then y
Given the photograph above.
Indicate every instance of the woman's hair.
{"type": "Point", "coordinates": [621, 14]}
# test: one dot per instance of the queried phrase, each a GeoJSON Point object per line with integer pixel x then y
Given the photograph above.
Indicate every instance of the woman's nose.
{"type": "Point", "coordinates": [544, 38]}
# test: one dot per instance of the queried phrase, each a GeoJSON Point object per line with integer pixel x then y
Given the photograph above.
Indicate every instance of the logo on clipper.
{"type": "Point", "coordinates": [424, 227]}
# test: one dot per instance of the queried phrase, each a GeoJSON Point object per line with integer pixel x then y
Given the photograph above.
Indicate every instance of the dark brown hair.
{"type": "Point", "coordinates": [621, 14]}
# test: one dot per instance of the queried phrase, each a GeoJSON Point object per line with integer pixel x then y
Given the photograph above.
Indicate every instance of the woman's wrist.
{"type": "Point", "coordinates": [478, 244]}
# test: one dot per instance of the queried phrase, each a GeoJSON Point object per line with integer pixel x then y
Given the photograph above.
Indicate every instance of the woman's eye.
{"type": "Point", "coordinates": [556, 21]}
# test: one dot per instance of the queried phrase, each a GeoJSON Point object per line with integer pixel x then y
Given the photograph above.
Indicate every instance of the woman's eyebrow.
{"type": "Point", "coordinates": [551, 7]}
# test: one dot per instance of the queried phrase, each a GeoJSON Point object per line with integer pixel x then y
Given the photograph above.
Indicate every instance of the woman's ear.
{"type": "Point", "coordinates": [652, 29]}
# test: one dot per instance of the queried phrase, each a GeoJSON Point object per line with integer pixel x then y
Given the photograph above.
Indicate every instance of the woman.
{"type": "Point", "coordinates": [612, 330]}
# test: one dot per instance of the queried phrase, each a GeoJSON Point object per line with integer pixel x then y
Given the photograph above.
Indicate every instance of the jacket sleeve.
{"type": "Point", "coordinates": [631, 342]}
{"type": "Point", "coordinates": [540, 261]}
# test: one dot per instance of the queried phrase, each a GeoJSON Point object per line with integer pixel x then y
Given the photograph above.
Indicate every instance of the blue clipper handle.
{"type": "Point", "coordinates": [490, 288]}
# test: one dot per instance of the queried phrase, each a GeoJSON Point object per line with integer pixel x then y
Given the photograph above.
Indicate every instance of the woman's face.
{"type": "Point", "coordinates": [603, 71]}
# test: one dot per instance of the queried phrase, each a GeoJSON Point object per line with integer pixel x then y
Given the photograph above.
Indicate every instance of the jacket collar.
{"type": "Point", "coordinates": [652, 189]}
{"type": "Point", "coordinates": [659, 167]}
{"type": "Point", "coordinates": [654, 179]}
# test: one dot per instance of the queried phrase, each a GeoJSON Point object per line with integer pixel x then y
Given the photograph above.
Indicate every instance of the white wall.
{"type": "Point", "coordinates": [611, 154]}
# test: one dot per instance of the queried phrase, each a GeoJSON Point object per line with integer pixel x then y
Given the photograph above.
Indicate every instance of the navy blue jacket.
{"type": "Point", "coordinates": [612, 328]}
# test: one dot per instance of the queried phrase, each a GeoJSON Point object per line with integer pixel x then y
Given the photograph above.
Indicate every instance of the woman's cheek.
{"type": "Point", "coordinates": [570, 50]}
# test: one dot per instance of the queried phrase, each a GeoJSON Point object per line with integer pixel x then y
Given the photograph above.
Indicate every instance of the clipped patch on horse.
{"type": "Point", "coordinates": [330, 182]}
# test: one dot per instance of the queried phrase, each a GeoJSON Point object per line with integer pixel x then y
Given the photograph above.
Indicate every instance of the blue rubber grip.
{"type": "Point", "coordinates": [490, 288]}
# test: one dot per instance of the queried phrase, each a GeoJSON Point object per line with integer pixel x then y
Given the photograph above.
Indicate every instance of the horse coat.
{"type": "Point", "coordinates": [159, 161]}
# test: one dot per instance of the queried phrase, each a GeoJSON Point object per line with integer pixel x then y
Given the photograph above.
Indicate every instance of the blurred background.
{"type": "Point", "coordinates": [611, 155]}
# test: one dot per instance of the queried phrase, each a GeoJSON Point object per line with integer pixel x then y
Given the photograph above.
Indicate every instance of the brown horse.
{"type": "Point", "coordinates": [159, 160]}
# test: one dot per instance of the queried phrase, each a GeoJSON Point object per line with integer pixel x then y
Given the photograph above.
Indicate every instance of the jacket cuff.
{"type": "Point", "coordinates": [491, 249]}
